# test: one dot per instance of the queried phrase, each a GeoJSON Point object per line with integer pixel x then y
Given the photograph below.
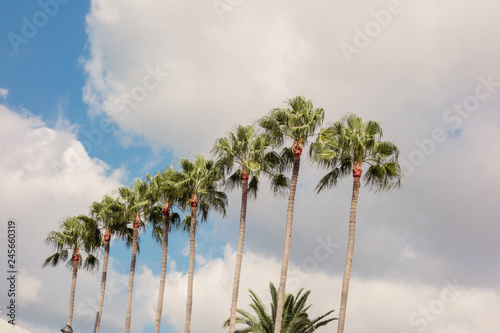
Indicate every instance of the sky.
{"type": "Point", "coordinates": [94, 94]}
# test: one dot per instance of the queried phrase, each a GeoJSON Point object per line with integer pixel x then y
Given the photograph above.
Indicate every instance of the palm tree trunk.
{"type": "Point", "coordinates": [131, 274]}
{"type": "Point", "coordinates": [288, 241]}
{"type": "Point", "coordinates": [350, 251]}
{"type": "Point", "coordinates": [107, 238]}
{"type": "Point", "coordinates": [76, 260]}
{"type": "Point", "coordinates": [192, 233]}
{"type": "Point", "coordinates": [161, 292]}
{"type": "Point", "coordinates": [239, 254]}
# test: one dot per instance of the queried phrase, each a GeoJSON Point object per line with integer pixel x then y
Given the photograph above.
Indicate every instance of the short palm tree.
{"type": "Point", "coordinates": [161, 190]}
{"type": "Point", "coordinates": [343, 148]}
{"type": "Point", "coordinates": [197, 184]}
{"type": "Point", "coordinates": [108, 215]}
{"type": "Point", "coordinates": [137, 207]}
{"type": "Point", "coordinates": [77, 237]}
{"type": "Point", "coordinates": [249, 152]}
{"type": "Point", "coordinates": [295, 318]}
{"type": "Point", "coordinates": [296, 124]}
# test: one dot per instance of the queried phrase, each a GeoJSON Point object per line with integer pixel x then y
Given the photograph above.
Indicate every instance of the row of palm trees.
{"type": "Point", "coordinates": [271, 147]}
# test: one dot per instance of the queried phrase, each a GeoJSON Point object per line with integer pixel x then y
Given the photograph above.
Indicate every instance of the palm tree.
{"type": "Point", "coordinates": [136, 208]}
{"type": "Point", "coordinates": [295, 318]}
{"type": "Point", "coordinates": [197, 183]}
{"type": "Point", "coordinates": [75, 236]}
{"type": "Point", "coordinates": [248, 151]}
{"type": "Point", "coordinates": [297, 124]}
{"type": "Point", "coordinates": [161, 189]}
{"type": "Point", "coordinates": [343, 148]}
{"type": "Point", "coordinates": [108, 213]}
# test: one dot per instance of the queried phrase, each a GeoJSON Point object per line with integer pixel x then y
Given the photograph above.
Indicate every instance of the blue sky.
{"type": "Point", "coordinates": [167, 78]}
{"type": "Point", "coordinates": [45, 75]}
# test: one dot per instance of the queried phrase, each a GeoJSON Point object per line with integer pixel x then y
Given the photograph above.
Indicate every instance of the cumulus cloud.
{"type": "Point", "coordinates": [211, 74]}
{"type": "Point", "coordinates": [46, 175]}
{"type": "Point", "coordinates": [375, 305]}
{"type": "Point", "coordinates": [417, 73]}
{"type": "Point", "coordinates": [30, 291]}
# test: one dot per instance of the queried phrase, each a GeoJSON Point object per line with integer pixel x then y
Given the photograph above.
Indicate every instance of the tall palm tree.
{"type": "Point", "coordinates": [136, 208]}
{"type": "Point", "coordinates": [295, 318]}
{"type": "Point", "coordinates": [249, 152]}
{"type": "Point", "coordinates": [197, 182]}
{"type": "Point", "coordinates": [78, 237]}
{"type": "Point", "coordinates": [161, 189]}
{"type": "Point", "coordinates": [108, 214]}
{"type": "Point", "coordinates": [296, 124]}
{"type": "Point", "coordinates": [343, 148]}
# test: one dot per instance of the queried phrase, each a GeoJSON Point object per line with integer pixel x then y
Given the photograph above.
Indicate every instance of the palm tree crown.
{"type": "Point", "coordinates": [109, 214]}
{"type": "Point", "coordinates": [345, 145]}
{"type": "Point", "coordinates": [298, 123]}
{"type": "Point", "coordinates": [197, 185]}
{"type": "Point", "coordinates": [135, 200]}
{"type": "Point", "coordinates": [250, 153]}
{"type": "Point", "coordinates": [76, 236]}
{"type": "Point", "coordinates": [295, 316]}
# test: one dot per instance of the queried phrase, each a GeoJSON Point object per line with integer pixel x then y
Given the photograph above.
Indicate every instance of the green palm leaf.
{"type": "Point", "coordinates": [295, 315]}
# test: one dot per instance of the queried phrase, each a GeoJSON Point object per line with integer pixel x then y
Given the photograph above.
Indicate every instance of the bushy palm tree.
{"type": "Point", "coordinates": [197, 184]}
{"type": "Point", "coordinates": [297, 124]}
{"type": "Point", "coordinates": [343, 148]}
{"type": "Point", "coordinates": [295, 318]}
{"type": "Point", "coordinates": [136, 208]}
{"type": "Point", "coordinates": [108, 215]}
{"type": "Point", "coordinates": [77, 237]}
{"type": "Point", "coordinates": [162, 191]}
{"type": "Point", "coordinates": [249, 152]}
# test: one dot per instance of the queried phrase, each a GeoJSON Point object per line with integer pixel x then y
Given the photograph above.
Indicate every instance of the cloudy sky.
{"type": "Point", "coordinates": [95, 94]}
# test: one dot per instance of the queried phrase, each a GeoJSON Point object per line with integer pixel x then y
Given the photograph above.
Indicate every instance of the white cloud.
{"type": "Point", "coordinates": [29, 287]}
{"type": "Point", "coordinates": [38, 197]}
{"type": "Point", "coordinates": [235, 70]}
{"type": "Point", "coordinates": [3, 93]}
{"type": "Point", "coordinates": [375, 305]}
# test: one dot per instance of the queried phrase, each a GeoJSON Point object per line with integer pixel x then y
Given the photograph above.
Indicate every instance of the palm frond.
{"type": "Point", "coordinates": [55, 259]}
{"type": "Point", "coordinates": [383, 177]}
{"type": "Point", "coordinates": [91, 263]}
{"type": "Point", "coordinates": [280, 184]}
